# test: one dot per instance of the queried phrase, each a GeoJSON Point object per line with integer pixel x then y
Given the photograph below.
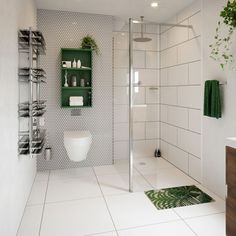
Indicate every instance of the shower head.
{"type": "Point", "coordinates": [142, 39]}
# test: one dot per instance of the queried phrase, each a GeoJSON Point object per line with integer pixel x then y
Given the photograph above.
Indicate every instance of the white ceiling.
{"type": "Point", "coordinates": [119, 8]}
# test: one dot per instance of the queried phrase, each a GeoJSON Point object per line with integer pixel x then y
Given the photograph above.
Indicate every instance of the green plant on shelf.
{"type": "Point", "coordinates": [88, 42]}
{"type": "Point", "coordinates": [221, 48]}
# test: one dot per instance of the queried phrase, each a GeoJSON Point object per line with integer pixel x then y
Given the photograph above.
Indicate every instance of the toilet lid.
{"type": "Point", "coordinates": [77, 134]}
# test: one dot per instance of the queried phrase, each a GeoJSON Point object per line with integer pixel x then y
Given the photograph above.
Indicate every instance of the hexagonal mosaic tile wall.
{"type": "Point", "coordinates": [65, 29]}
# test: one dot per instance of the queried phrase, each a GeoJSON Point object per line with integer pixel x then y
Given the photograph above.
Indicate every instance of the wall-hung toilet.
{"type": "Point", "coordinates": [77, 144]}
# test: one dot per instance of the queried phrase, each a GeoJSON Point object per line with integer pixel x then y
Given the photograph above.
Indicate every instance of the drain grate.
{"type": "Point", "coordinates": [142, 163]}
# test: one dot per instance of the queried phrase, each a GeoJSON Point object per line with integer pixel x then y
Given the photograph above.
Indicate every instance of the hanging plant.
{"type": "Point", "coordinates": [221, 48]}
{"type": "Point", "coordinates": [89, 42]}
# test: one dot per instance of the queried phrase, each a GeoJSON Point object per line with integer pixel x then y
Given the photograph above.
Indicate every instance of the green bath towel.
{"type": "Point", "coordinates": [212, 99]}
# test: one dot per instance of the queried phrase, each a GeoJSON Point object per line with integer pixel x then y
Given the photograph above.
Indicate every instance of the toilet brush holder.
{"type": "Point", "coordinates": [48, 154]}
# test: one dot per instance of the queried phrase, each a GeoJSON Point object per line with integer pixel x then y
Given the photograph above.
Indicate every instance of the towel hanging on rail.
{"type": "Point", "coordinates": [212, 99]}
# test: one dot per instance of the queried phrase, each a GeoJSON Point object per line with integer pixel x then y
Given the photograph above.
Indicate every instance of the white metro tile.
{"type": "Point", "coordinates": [195, 77]}
{"type": "Point", "coordinates": [140, 113]}
{"type": "Point", "coordinates": [195, 120]}
{"type": "Point", "coordinates": [169, 57]}
{"type": "Point", "coordinates": [152, 29]}
{"type": "Point", "coordinates": [190, 96]}
{"type": "Point", "coordinates": [138, 131]}
{"type": "Point", "coordinates": [121, 77]}
{"type": "Point", "coordinates": [132, 210]}
{"type": "Point", "coordinates": [164, 77]}
{"type": "Point", "coordinates": [177, 35]}
{"type": "Point", "coordinates": [30, 223]}
{"type": "Point", "coordinates": [189, 51]}
{"type": "Point", "coordinates": [121, 95]}
{"type": "Point", "coordinates": [144, 148]}
{"type": "Point", "coordinates": [38, 192]}
{"type": "Point", "coordinates": [169, 133]}
{"type": "Point", "coordinates": [169, 95]}
{"type": "Point", "coordinates": [178, 116]}
{"type": "Point", "coordinates": [121, 113]}
{"type": "Point", "coordinates": [152, 130]}
{"type": "Point", "coordinates": [105, 234]}
{"type": "Point", "coordinates": [139, 59]}
{"type": "Point", "coordinates": [82, 217]}
{"type": "Point", "coordinates": [121, 40]}
{"type": "Point", "coordinates": [164, 114]}
{"type": "Point", "coordinates": [189, 11]}
{"type": "Point", "coordinates": [139, 95]}
{"type": "Point", "coordinates": [167, 178]}
{"type": "Point", "coordinates": [121, 150]}
{"type": "Point", "coordinates": [190, 142]}
{"type": "Point", "coordinates": [119, 183]}
{"type": "Point", "coordinates": [152, 95]}
{"type": "Point", "coordinates": [152, 60]}
{"type": "Point", "coordinates": [195, 21]}
{"type": "Point", "coordinates": [121, 131]}
{"type": "Point", "coordinates": [178, 75]}
{"type": "Point", "coordinates": [163, 43]}
{"type": "Point", "coordinates": [147, 77]}
{"type": "Point", "coordinates": [63, 190]}
{"type": "Point", "coordinates": [152, 112]}
{"type": "Point", "coordinates": [121, 59]}
{"type": "Point", "coordinates": [178, 157]}
{"type": "Point", "coordinates": [167, 229]}
{"type": "Point", "coordinates": [208, 225]}
{"type": "Point", "coordinates": [195, 168]}
{"type": "Point", "coordinates": [164, 149]}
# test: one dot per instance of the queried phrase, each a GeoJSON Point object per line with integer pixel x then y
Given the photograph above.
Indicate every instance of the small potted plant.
{"type": "Point", "coordinates": [221, 48]}
{"type": "Point", "coordinates": [89, 42]}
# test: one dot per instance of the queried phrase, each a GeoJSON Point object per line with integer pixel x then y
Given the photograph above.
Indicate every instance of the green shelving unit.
{"type": "Point", "coordinates": [85, 56]}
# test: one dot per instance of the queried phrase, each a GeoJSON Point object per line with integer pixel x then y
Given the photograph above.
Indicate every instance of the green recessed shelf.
{"type": "Point", "coordinates": [81, 74]}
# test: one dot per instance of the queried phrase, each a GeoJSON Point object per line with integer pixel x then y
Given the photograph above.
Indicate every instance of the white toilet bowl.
{"type": "Point", "coordinates": [77, 144]}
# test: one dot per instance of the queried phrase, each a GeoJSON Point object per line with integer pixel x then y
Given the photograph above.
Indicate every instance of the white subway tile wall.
{"type": "Point", "coordinates": [180, 93]}
{"type": "Point", "coordinates": [146, 96]}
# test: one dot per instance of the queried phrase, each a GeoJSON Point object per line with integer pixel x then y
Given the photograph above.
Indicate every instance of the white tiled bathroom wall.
{"type": "Point", "coordinates": [181, 98]}
{"type": "Point", "coordinates": [146, 110]}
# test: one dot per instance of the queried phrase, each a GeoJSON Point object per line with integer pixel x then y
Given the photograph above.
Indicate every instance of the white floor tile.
{"type": "Point", "coordinates": [76, 218]}
{"type": "Point", "coordinates": [167, 178]}
{"type": "Point", "coordinates": [150, 164]}
{"type": "Point", "coordinates": [132, 210]}
{"type": "Point", "coordinates": [120, 166]}
{"type": "Point", "coordinates": [37, 195]}
{"type": "Point", "coordinates": [72, 189]}
{"type": "Point", "coordinates": [119, 184]}
{"type": "Point", "coordinates": [218, 206]}
{"type": "Point", "coordinates": [105, 234]}
{"type": "Point", "coordinates": [208, 225]}
{"type": "Point", "coordinates": [41, 176]}
{"type": "Point", "coordinates": [31, 220]}
{"type": "Point", "coordinates": [167, 229]}
{"type": "Point", "coordinates": [71, 173]}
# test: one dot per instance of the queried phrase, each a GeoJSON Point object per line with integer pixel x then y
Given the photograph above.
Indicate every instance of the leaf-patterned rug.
{"type": "Point", "coordinates": [178, 197]}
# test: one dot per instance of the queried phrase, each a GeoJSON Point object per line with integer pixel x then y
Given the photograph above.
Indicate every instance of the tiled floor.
{"type": "Point", "coordinates": [96, 201]}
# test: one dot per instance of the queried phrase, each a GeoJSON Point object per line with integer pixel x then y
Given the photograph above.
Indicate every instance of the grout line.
{"type": "Point", "coordinates": [175, 65]}
{"type": "Point", "coordinates": [105, 202]}
{"type": "Point", "coordinates": [26, 205]}
{"type": "Point", "coordinates": [41, 221]}
{"type": "Point", "coordinates": [184, 221]}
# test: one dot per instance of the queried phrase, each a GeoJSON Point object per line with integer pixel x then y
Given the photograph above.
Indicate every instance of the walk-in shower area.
{"type": "Point", "coordinates": [144, 126]}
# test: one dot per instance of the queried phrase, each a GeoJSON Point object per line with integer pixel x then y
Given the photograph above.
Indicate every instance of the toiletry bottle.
{"type": "Point", "coordinates": [74, 64]}
{"type": "Point", "coordinates": [82, 82]}
{"type": "Point", "coordinates": [74, 82]}
{"type": "Point", "coordinates": [78, 64]}
{"type": "Point", "coordinates": [66, 80]}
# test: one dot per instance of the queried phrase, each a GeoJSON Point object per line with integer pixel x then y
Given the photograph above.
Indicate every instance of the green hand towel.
{"type": "Point", "coordinates": [215, 99]}
{"type": "Point", "coordinates": [212, 99]}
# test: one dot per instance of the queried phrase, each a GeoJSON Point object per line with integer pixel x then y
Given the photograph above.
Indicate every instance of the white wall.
{"type": "Point", "coordinates": [146, 108]}
{"type": "Point", "coordinates": [216, 131]}
{"type": "Point", "coordinates": [16, 176]}
{"type": "Point", "coordinates": [181, 99]}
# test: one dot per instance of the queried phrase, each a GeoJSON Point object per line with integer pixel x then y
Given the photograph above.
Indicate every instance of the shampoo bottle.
{"type": "Point", "coordinates": [74, 64]}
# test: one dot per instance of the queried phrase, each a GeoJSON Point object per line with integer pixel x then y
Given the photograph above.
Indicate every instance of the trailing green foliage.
{"type": "Point", "coordinates": [89, 42]}
{"type": "Point", "coordinates": [221, 48]}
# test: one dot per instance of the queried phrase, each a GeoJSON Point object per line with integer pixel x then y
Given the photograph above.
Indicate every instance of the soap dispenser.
{"type": "Point", "coordinates": [74, 64]}
{"type": "Point", "coordinates": [78, 64]}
